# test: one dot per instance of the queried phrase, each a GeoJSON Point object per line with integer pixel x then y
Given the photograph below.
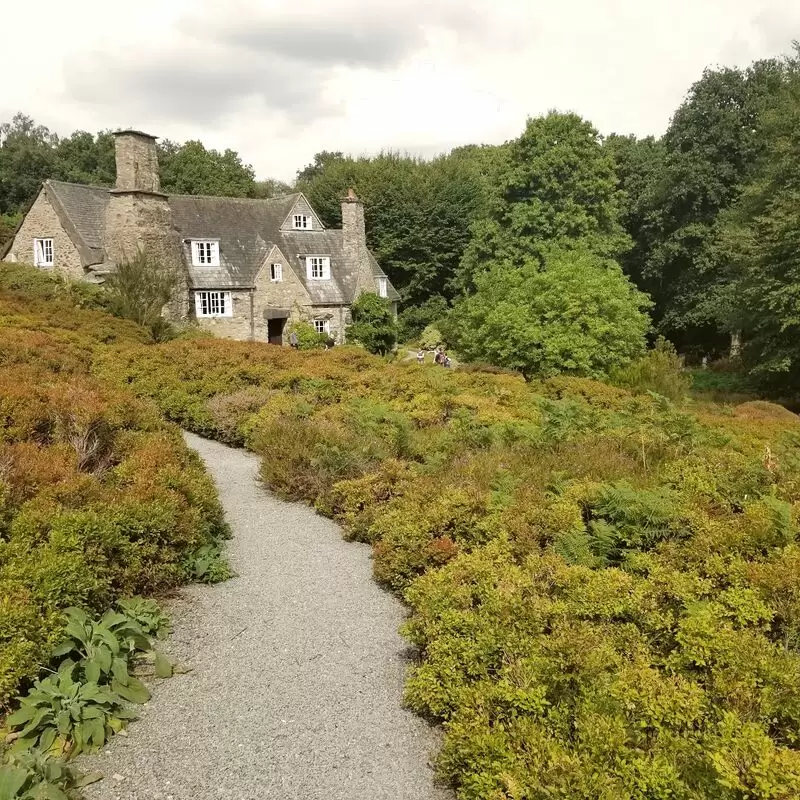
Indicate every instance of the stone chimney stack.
{"type": "Point", "coordinates": [354, 242]}
{"type": "Point", "coordinates": [137, 162]}
{"type": "Point", "coordinates": [138, 215]}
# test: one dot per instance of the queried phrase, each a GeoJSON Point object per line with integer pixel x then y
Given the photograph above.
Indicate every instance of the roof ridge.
{"type": "Point", "coordinates": [227, 197]}
{"type": "Point", "coordinates": [52, 181]}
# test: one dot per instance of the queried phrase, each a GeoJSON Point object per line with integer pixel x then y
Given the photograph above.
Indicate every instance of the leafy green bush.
{"type": "Point", "coordinates": [307, 336]}
{"type": "Point", "coordinates": [660, 371]}
{"type": "Point", "coordinates": [373, 324]}
{"type": "Point", "coordinates": [430, 338]}
{"type": "Point", "coordinates": [33, 775]}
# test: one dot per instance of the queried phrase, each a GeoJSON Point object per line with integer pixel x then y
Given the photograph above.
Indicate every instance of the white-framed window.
{"type": "Point", "coordinates": [321, 325]}
{"type": "Point", "coordinates": [213, 304]}
{"type": "Point", "coordinates": [205, 253]}
{"type": "Point", "coordinates": [43, 252]}
{"type": "Point", "coordinates": [276, 273]}
{"type": "Point", "coordinates": [318, 268]}
{"type": "Point", "coordinates": [383, 287]}
{"type": "Point", "coordinates": [301, 222]}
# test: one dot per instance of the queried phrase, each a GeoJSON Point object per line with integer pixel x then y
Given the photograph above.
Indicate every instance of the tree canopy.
{"type": "Point", "coordinates": [575, 313]}
{"type": "Point", "coordinates": [557, 186]}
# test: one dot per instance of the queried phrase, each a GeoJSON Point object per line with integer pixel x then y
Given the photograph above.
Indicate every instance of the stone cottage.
{"type": "Point", "coordinates": [249, 267]}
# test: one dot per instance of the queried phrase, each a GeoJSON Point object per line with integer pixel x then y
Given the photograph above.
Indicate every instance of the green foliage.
{"type": "Point", "coordinates": [759, 240]}
{"type": "Point", "coordinates": [579, 315]}
{"type": "Point", "coordinates": [307, 336]}
{"type": "Point", "coordinates": [99, 498]}
{"type": "Point", "coordinates": [138, 290]}
{"type": "Point", "coordinates": [190, 168]}
{"type": "Point", "coordinates": [677, 188]}
{"type": "Point", "coordinates": [373, 324]}
{"type": "Point", "coordinates": [430, 338]}
{"type": "Point", "coordinates": [34, 775]}
{"type": "Point", "coordinates": [412, 320]}
{"type": "Point", "coordinates": [418, 213]}
{"type": "Point", "coordinates": [208, 565]}
{"type": "Point", "coordinates": [557, 188]}
{"type": "Point", "coordinates": [660, 370]}
{"type": "Point", "coordinates": [82, 715]}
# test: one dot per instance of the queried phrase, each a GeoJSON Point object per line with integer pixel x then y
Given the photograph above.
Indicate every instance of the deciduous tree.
{"type": "Point", "coordinates": [576, 313]}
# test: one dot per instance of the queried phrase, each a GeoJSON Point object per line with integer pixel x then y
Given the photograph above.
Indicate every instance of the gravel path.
{"type": "Point", "coordinates": [297, 672]}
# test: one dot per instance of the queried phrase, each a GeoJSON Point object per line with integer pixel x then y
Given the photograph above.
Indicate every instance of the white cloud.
{"type": "Point", "coordinates": [278, 84]}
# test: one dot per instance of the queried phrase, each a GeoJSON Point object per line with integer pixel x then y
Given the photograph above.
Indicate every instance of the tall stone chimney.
{"type": "Point", "coordinates": [137, 162]}
{"type": "Point", "coordinates": [138, 215]}
{"type": "Point", "coordinates": [354, 244]}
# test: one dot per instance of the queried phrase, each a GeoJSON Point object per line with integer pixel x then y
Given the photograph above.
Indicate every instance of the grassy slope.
{"type": "Point", "coordinates": [605, 588]}
{"type": "Point", "coordinates": [99, 496]}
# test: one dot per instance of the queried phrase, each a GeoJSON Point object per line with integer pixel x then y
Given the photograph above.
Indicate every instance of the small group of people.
{"type": "Point", "coordinates": [440, 357]}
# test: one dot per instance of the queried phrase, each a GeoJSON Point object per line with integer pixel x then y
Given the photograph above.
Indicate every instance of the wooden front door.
{"type": "Point", "coordinates": [275, 330]}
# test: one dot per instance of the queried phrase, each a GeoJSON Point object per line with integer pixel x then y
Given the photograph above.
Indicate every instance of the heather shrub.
{"type": "Point", "coordinates": [660, 370]}
{"type": "Point", "coordinates": [603, 583]}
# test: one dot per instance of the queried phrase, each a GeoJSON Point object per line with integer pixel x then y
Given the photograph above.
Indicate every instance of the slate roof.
{"type": "Point", "coordinates": [246, 229]}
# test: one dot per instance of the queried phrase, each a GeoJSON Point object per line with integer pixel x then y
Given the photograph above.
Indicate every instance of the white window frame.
{"type": "Point", "coordinates": [383, 287]}
{"type": "Point", "coordinates": [321, 326]}
{"type": "Point", "coordinates": [210, 304]}
{"type": "Point", "coordinates": [302, 222]}
{"type": "Point", "coordinates": [205, 252]}
{"type": "Point", "coordinates": [276, 273]}
{"type": "Point", "coordinates": [318, 268]}
{"type": "Point", "coordinates": [44, 252]}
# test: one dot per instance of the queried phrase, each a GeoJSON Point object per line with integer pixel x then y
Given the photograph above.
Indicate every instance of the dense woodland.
{"type": "Point", "coordinates": [704, 220]}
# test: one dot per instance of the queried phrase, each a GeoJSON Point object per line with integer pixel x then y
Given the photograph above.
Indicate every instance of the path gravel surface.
{"type": "Point", "coordinates": [297, 672]}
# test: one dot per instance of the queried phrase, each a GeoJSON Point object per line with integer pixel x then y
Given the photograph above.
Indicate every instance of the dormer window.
{"type": "Point", "coordinates": [318, 268]}
{"type": "Point", "coordinates": [383, 287]}
{"type": "Point", "coordinates": [301, 222]}
{"type": "Point", "coordinates": [205, 253]}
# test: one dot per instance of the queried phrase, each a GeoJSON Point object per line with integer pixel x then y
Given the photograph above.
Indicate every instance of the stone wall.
{"type": "Point", "coordinates": [288, 293]}
{"type": "Point", "coordinates": [354, 244]}
{"type": "Point", "coordinates": [42, 222]}
{"type": "Point", "coordinates": [137, 220]}
{"type": "Point", "coordinates": [233, 327]}
{"type": "Point", "coordinates": [137, 162]}
{"type": "Point", "coordinates": [302, 206]}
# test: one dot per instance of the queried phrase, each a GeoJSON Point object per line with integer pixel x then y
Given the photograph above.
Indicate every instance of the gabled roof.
{"type": "Point", "coordinates": [247, 229]}
{"type": "Point", "coordinates": [82, 212]}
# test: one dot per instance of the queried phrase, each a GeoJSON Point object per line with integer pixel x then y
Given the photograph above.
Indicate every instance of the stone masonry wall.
{"type": "Point", "coordinates": [234, 327]}
{"type": "Point", "coordinates": [288, 293]}
{"type": "Point", "coordinates": [137, 162]}
{"type": "Point", "coordinates": [354, 245]}
{"type": "Point", "coordinates": [42, 222]}
{"type": "Point", "coordinates": [302, 207]}
{"type": "Point", "coordinates": [136, 220]}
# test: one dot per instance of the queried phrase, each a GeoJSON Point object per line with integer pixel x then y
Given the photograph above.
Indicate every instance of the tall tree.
{"type": "Point", "coordinates": [190, 168]}
{"type": "Point", "coordinates": [759, 244]}
{"type": "Point", "coordinates": [558, 185]}
{"type": "Point", "coordinates": [418, 214]}
{"type": "Point", "coordinates": [710, 150]}
{"type": "Point", "coordinates": [27, 158]}
{"type": "Point", "coordinates": [84, 158]}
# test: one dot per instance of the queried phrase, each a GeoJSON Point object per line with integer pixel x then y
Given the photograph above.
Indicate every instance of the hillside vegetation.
{"type": "Point", "coordinates": [99, 497]}
{"type": "Point", "coordinates": [604, 586]}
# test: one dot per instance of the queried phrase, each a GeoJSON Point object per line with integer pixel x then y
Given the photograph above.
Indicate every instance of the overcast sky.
{"type": "Point", "coordinates": [279, 80]}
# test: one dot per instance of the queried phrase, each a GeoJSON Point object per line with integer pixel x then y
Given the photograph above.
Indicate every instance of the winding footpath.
{"type": "Point", "coordinates": [297, 672]}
